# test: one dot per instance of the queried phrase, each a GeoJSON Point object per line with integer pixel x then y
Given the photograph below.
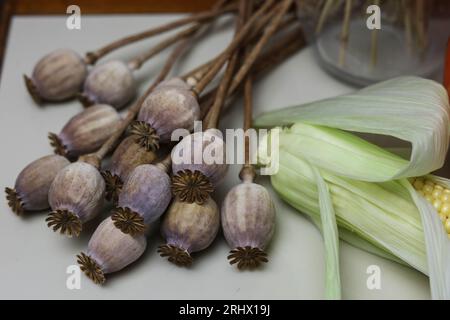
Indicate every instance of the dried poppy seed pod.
{"type": "Point", "coordinates": [30, 191]}
{"type": "Point", "coordinates": [198, 165]}
{"type": "Point", "coordinates": [75, 197]}
{"type": "Point", "coordinates": [110, 250]}
{"type": "Point", "coordinates": [127, 156]}
{"type": "Point", "coordinates": [171, 106]}
{"type": "Point", "coordinates": [187, 228]}
{"type": "Point", "coordinates": [248, 223]}
{"type": "Point", "coordinates": [57, 76]}
{"type": "Point", "coordinates": [86, 131]}
{"type": "Point", "coordinates": [144, 198]}
{"type": "Point", "coordinates": [109, 83]}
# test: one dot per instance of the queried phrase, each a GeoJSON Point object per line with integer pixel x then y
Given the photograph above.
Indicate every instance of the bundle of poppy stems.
{"type": "Point", "coordinates": [141, 180]}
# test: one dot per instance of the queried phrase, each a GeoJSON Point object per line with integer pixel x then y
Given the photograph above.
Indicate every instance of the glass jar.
{"type": "Point", "coordinates": [411, 40]}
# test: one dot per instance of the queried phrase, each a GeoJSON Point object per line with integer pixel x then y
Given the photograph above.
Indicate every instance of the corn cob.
{"type": "Point", "coordinates": [338, 178]}
{"type": "Point", "coordinates": [437, 195]}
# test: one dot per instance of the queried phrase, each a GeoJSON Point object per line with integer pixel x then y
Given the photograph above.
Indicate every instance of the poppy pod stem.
{"type": "Point", "coordinates": [84, 100]}
{"type": "Point", "coordinates": [193, 76]}
{"type": "Point", "coordinates": [288, 44]}
{"type": "Point", "coordinates": [221, 95]}
{"type": "Point", "coordinates": [235, 43]}
{"type": "Point", "coordinates": [269, 31]}
{"type": "Point", "coordinates": [247, 173]}
{"type": "Point", "coordinates": [165, 164]}
{"type": "Point", "coordinates": [92, 159]}
{"type": "Point", "coordinates": [137, 62]}
{"type": "Point", "coordinates": [92, 56]}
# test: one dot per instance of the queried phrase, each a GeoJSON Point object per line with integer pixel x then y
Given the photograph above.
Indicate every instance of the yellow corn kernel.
{"type": "Point", "coordinates": [447, 225]}
{"type": "Point", "coordinates": [445, 209]}
{"type": "Point", "coordinates": [418, 184]}
{"type": "Point", "coordinates": [438, 196]}
{"type": "Point", "coordinates": [429, 182]}
{"type": "Point", "coordinates": [437, 204]}
{"type": "Point", "coordinates": [445, 197]}
{"type": "Point", "coordinates": [427, 189]}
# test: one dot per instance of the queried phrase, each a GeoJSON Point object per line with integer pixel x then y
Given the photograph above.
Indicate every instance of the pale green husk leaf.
{"type": "Point", "coordinates": [325, 171]}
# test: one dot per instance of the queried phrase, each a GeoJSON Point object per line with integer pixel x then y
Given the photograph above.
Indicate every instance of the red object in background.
{"type": "Point", "coordinates": [447, 68]}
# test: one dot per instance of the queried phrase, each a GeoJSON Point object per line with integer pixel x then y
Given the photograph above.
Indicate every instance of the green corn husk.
{"type": "Point", "coordinates": [339, 179]}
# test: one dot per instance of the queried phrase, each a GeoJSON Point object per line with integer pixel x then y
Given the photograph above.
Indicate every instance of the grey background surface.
{"type": "Point", "coordinates": [33, 259]}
